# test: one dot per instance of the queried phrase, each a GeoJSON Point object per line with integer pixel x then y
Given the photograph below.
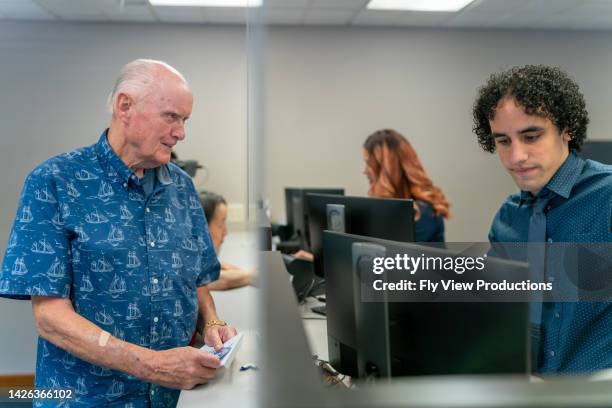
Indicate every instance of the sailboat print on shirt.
{"type": "Point", "coordinates": [56, 271]}
{"type": "Point", "coordinates": [57, 220]}
{"type": "Point", "coordinates": [101, 265]}
{"type": "Point", "coordinates": [82, 236]}
{"type": "Point", "coordinates": [179, 183]}
{"type": "Point", "coordinates": [100, 371]}
{"type": "Point", "coordinates": [5, 285]}
{"type": "Point", "coordinates": [194, 204]}
{"type": "Point", "coordinates": [132, 261]}
{"type": "Point", "coordinates": [19, 267]}
{"type": "Point", "coordinates": [167, 285]}
{"type": "Point", "coordinates": [12, 240]}
{"type": "Point", "coordinates": [86, 285]}
{"type": "Point", "coordinates": [115, 236]}
{"type": "Point", "coordinates": [169, 218]}
{"type": "Point", "coordinates": [177, 262]}
{"type": "Point", "coordinates": [95, 217]}
{"type": "Point", "coordinates": [68, 361]}
{"type": "Point", "coordinates": [84, 175]}
{"type": "Point", "coordinates": [134, 312]}
{"type": "Point", "coordinates": [103, 317]}
{"type": "Point", "coordinates": [117, 287]}
{"type": "Point", "coordinates": [37, 290]}
{"type": "Point", "coordinates": [126, 215]}
{"type": "Point", "coordinates": [81, 389]}
{"type": "Point", "coordinates": [72, 191]}
{"type": "Point", "coordinates": [105, 193]}
{"type": "Point", "coordinates": [44, 196]}
{"type": "Point", "coordinates": [178, 309]}
{"type": "Point", "coordinates": [26, 215]}
{"type": "Point", "coordinates": [162, 236]}
{"type": "Point", "coordinates": [175, 202]}
{"type": "Point", "coordinates": [42, 247]}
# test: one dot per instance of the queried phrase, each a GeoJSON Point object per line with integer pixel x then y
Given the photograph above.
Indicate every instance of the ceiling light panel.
{"type": "Point", "coordinates": [419, 5]}
{"type": "Point", "coordinates": [207, 3]}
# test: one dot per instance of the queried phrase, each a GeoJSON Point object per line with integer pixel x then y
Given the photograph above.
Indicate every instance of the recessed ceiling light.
{"type": "Point", "coordinates": [207, 3]}
{"type": "Point", "coordinates": [418, 5]}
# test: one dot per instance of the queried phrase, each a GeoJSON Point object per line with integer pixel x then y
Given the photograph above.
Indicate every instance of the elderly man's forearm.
{"type": "Point", "coordinates": [57, 322]}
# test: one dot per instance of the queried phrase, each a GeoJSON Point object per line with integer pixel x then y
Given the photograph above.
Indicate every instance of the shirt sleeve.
{"type": "Point", "coordinates": [37, 257]}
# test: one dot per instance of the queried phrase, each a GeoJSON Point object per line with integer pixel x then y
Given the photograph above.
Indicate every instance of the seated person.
{"type": "Point", "coordinates": [215, 210]}
{"type": "Point", "coordinates": [394, 170]}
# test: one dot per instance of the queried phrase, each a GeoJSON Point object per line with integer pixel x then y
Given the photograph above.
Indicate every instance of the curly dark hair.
{"type": "Point", "coordinates": [541, 90]}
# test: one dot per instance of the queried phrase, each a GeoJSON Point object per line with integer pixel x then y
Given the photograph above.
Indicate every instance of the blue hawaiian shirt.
{"type": "Point", "coordinates": [130, 263]}
{"type": "Point", "coordinates": [576, 337]}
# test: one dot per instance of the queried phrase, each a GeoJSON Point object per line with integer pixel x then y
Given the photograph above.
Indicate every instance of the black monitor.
{"type": "Point", "coordinates": [387, 218]}
{"type": "Point", "coordinates": [433, 338]}
{"type": "Point", "coordinates": [297, 216]}
{"type": "Point", "coordinates": [597, 150]}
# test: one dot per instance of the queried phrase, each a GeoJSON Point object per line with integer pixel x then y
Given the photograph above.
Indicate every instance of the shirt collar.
{"type": "Point", "coordinates": [563, 180]}
{"type": "Point", "coordinates": [111, 163]}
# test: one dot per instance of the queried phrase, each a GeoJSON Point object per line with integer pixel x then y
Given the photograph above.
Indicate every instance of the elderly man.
{"type": "Point", "coordinates": [111, 244]}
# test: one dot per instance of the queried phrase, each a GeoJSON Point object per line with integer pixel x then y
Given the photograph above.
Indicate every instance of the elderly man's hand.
{"type": "Point", "coordinates": [181, 368]}
{"type": "Point", "coordinates": [215, 336]}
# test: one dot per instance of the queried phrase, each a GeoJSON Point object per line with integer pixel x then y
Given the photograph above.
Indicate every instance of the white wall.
{"type": "Point", "coordinates": [329, 88]}
{"type": "Point", "coordinates": [54, 80]}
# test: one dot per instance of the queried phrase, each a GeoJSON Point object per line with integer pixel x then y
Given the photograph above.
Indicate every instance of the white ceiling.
{"type": "Point", "coordinates": [507, 14]}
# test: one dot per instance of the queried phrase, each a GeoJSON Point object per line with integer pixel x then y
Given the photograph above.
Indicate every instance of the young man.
{"type": "Point", "coordinates": [535, 118]}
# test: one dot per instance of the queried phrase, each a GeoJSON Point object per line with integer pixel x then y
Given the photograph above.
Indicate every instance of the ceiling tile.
{"type": "Point", "coordinates": [400, 18]}
{"type": "Point", "coordinates": [26, 10]}
{"type": "Point", "coordinates": [225, 15]}
{"type": "Point", "coordinates": [286, 3]}
{"type": "Point", "coordinates": [283, 16]}
{"type": "Point", "coordinates": [180, 14]}
{"type": "Point", "coordinates": [340, 4]}
{"type": "Point", "coordinates": [328, 16]}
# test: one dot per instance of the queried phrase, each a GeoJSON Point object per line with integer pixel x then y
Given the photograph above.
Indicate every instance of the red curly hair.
{"type": "Point", "coordinates": [398, 173]}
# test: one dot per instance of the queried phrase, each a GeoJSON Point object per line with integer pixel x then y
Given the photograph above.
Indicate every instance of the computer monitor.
{"type": "Point", "coordinates": [297, 215]}
{"type": "Point", "coordinates": [411, 338]}
{"type": "Point", "coordinates": [387, 218]}
{"type": "Point", "coordinates": [597, 150]}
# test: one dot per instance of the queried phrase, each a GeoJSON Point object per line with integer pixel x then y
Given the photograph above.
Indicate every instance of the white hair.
{"type": "Point", "coordinates": [136, 78]}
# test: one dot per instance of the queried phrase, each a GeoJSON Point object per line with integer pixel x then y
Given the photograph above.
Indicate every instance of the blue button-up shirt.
{"type": "Point", "coordinates": [131, 263]}
{"type": "Point", "coordinates": [576, 337]}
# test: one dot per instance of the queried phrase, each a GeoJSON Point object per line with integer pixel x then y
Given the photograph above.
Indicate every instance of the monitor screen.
{"type": "Point", "coordinates": [433, 338]}
{"type": "Point", "coordinates": [387, 218]}
{"type": "Point", "coordinates": [600, 151]}
{"type": "Point", "coordinates": [297, 216]}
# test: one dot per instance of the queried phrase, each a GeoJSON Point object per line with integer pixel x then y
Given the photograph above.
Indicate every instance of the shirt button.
{"type": "Point", "coordinates": [147, 209]}
{"type": "Point", "coordinates": [552, 353]}
{"type": "Point", "coordinates": [155, 280]}
{"type": "Point", "coordinates": [125, 185]}
{"type": "Point", "coordinates": [152, 244]}
{"type": "Point", "coordinates": [550, 240]}
{"type": "Point", "coordinates": [551, 278]}
{"type": "Point", "coordinates": [557, 315]}
{"type": "Point", "coordinates": [156, 319]}
{"type": "Point", "coordinates": [152, 392]}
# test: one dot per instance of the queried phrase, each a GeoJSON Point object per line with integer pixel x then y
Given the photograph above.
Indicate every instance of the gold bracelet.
{"type": "Point", "coordinates": [214, 322]}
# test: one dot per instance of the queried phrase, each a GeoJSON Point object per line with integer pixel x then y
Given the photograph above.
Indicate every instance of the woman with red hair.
{"type": "Point", "coordinates": [395, 171]}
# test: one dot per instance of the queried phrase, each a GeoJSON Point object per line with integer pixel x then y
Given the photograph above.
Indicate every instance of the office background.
{"type": "Point", "coordinates": [326, 88]}
{"type": "Point", "coordinates": [329, 88]}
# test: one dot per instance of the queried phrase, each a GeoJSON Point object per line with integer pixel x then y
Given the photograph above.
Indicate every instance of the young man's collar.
{"type": "Point", "coordinates": [562, 182]}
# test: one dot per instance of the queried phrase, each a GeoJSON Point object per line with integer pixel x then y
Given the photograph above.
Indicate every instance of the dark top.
{"type": "Point", "coordinates": [576, 336]}
{"type": "Point", "coordinates": [430, 227]}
